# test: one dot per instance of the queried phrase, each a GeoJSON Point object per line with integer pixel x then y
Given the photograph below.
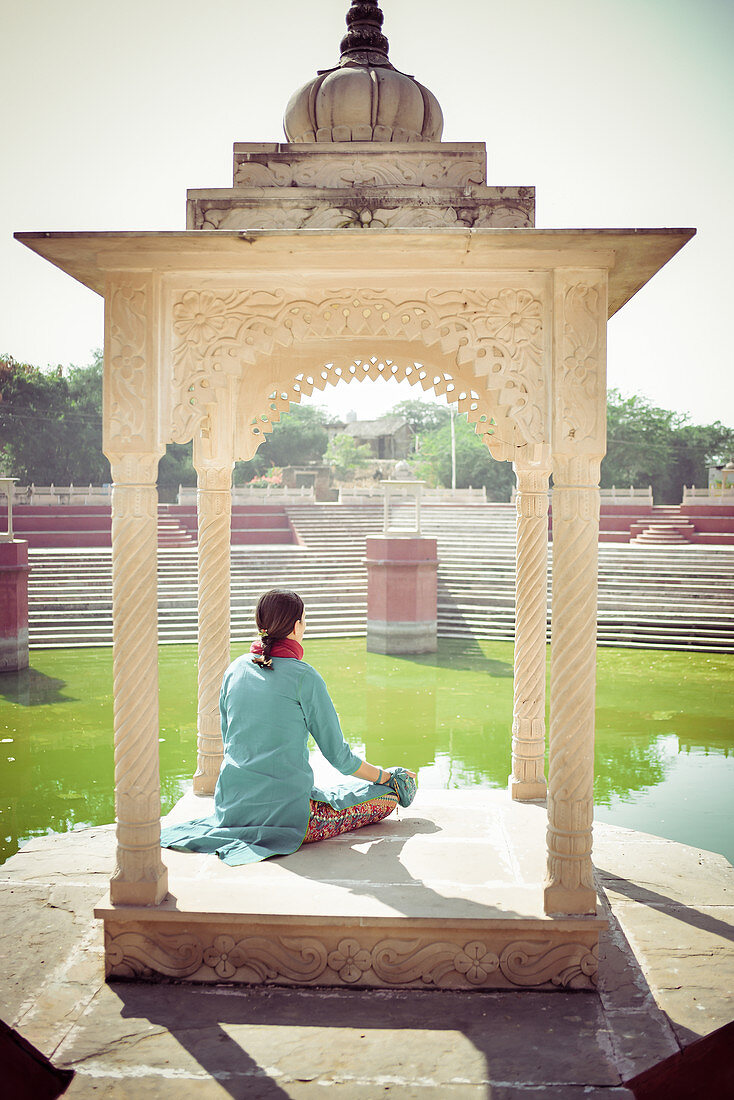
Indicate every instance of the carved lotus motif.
{"type": "Point", "coordinates": [199, 316]}
{"type": "Point", "coordinates": [224, 956]}
{"type": "Point", "coordinates": [349, 960]}
{"type": "Point", "coordinates": [514, 316]}
{"type": "Point", "coordinates": [476, 962]}
{"type": "Point", "coordinates": [127, 363]}
{"type": "Point", "coordinates": [580, 365]}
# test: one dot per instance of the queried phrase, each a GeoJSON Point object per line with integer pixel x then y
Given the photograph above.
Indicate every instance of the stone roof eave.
{"type": "Point", "coordinates": [631, 256]}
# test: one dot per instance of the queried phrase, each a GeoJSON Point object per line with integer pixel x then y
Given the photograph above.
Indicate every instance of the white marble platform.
{"type": "Point", "coordinates": [447, 895]}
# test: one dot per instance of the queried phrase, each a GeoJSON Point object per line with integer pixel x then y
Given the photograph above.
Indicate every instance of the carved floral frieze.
{"type": "Point", "coordinates": [511, 213]}
{"type": "Point", "coordinates": [403, 170]}
{"type": "Point", "coordinates": [213, 955]}
{"type": "Point", "coordinates": [492, 344]}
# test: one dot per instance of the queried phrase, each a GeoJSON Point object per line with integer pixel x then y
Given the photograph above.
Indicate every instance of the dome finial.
{"type": "Point", "coordinates": [364, 43]}
{"type": "Point", "coordinates": [364, 97]}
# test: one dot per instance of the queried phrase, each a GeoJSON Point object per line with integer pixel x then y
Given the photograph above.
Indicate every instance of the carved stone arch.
{"type": "Point", "coordinates": [300, 376]}
{"type": "Point", "coordinates": [490, 343]}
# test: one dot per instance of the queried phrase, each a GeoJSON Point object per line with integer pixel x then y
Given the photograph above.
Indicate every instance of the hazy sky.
{"type": "Point", "coordinates": [618, 111]}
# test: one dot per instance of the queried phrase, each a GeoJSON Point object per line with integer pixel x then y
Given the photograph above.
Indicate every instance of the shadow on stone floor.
{"type": "Point", "coordinates": [380, 873]}
{"type": "Point", "coordinates": [642, 894]}
{"type": "Point", "coordinates": [316, 1035]}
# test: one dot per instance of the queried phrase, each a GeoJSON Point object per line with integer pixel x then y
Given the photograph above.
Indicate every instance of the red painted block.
{"type": "Point", "coordinates": [13, 605]}
{"type": "Point", "coordinates": [401, 594]}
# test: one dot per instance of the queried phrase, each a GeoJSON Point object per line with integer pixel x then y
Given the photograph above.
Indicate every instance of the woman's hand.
{"type": "Point", "coordinates": [376, 775]}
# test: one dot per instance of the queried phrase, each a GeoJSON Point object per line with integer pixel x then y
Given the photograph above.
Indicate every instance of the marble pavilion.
{"type": "Point", "coordinates": [362, 248]}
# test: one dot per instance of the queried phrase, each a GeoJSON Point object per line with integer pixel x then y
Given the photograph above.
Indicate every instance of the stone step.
{"type": "Point", "coordinates": [678, 597]}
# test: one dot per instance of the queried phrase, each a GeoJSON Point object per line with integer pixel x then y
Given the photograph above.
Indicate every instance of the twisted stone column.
{"type": "Point", "coordinates": [140, 876]}
{"type": "Point", "coordinates": [214, 499]}
{"type": "Point", "coordinates": [527, 780]}
{"type": "Point", "coordinates": [569, 886]}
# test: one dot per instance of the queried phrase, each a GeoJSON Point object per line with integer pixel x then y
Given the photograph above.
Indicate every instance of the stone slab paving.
{"type": "Point", "coordinates": [667, 971]}
{"type": "Point", "coordinates": [468, 853]}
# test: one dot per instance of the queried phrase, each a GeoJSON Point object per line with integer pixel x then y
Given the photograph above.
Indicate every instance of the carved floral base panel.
{"type": "Point", "coordinates": [510, 955]}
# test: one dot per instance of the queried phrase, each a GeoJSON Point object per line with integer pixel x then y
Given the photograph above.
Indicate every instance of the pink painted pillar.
{"type": "Point", "coordinates": [401, 594]}
{"type": "Point", "coordinates": [14, 571]}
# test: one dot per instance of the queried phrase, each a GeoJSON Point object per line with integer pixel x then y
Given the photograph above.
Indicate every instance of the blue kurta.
{"type": "Point", "coordinates": [261, 801]}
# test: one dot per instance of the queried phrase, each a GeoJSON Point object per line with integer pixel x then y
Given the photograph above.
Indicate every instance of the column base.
{"type": "Point", "coordinates": [405, 637]}
{"type": "Point", "coordinates": [559, 899]}
{"type": "Point", "coordinates": [204, 783]}
{"type": "Point", "coordinates": [148, 892]}
{"type": "Point", "coordinates": [523, 791]}
{"type": "Point", "coordinates": [14, 655]}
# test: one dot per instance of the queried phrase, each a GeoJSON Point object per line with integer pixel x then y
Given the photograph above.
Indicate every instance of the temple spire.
{"type": "Point", "coordinates": [364, 43]}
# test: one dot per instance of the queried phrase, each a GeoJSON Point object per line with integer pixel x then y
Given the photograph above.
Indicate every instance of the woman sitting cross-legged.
{"type": "Point", "coordinates": [265, 803]}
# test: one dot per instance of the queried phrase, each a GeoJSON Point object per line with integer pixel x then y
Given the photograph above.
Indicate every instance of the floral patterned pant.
{"type": "Point", "coordinates": [325, 822]}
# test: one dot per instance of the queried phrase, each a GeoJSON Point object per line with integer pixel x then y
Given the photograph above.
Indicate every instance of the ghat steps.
{"type": "Point", "coordinates": [79, 526]}
{"type": "Point", "coordinates": [677, 598]}
{"type": "Point", "coordinates": [82, 526]}
{"type": "Point", "coordinates": [665, 527]}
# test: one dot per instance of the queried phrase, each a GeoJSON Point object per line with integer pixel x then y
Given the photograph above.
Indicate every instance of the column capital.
{"type": "Point", "coordinates": [576, 471]}
{"type": "Point", "coordinates": [214, 478]}
{"type": "Point", "coordinates": [135, 467]}
{"type": "Point", "coordinates": [533, 480]}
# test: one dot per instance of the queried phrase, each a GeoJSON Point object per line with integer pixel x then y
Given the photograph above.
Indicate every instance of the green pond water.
{"type": "Point", "coordinates": [664, 747]}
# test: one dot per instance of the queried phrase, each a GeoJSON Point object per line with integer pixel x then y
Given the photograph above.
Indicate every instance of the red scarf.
{"type": "Point", "coordinates": [286, 647]}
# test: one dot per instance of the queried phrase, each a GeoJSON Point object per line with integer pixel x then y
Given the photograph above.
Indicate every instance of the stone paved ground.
{"type": "Point", "coordinates": [667, 975]}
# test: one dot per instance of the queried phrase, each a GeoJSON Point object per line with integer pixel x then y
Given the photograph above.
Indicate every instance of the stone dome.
{"type": "Point", "coordinates": [364, 98]}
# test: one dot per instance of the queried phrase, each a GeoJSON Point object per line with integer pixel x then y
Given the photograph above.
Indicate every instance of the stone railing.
{"type": "Point", "coordinates": [253, 494]}
{"type": "Point", "coordinates": [630, 493]}
{"type": "Point", "coordinates": [714, 494]}
{"type": "Point", "coordinates": [63, 494]}
{"type": "Point", "coordinates": [622, 494]}
{"type": "Point", "coordinates": [374, 494]}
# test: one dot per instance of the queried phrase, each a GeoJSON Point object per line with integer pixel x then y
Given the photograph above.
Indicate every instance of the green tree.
{"type": "Point", "coordinates": [639, 443]}
{"type": "Point", "coordinates": [647, 445]}
{"type": "Point", "coordinates": [51, 423]}
{"type": "Point", "coordinates": [700, 446]}
{"type": "Point", "coordinates": [175, 468]}
{"type": "Point", "coordinates": [346, 455]}
{"type": "Point", "coordinates": [299, 438]}
{"type": "Point", "coordinates": [475, 466]}
{"type": "Point", "coordinates": [86, 463]}
{"type": "Point", "coordinates": [423, 416]}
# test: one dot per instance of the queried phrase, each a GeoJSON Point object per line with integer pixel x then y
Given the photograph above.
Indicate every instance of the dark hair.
{"type": "Point", "coordinates": [276, 614]}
